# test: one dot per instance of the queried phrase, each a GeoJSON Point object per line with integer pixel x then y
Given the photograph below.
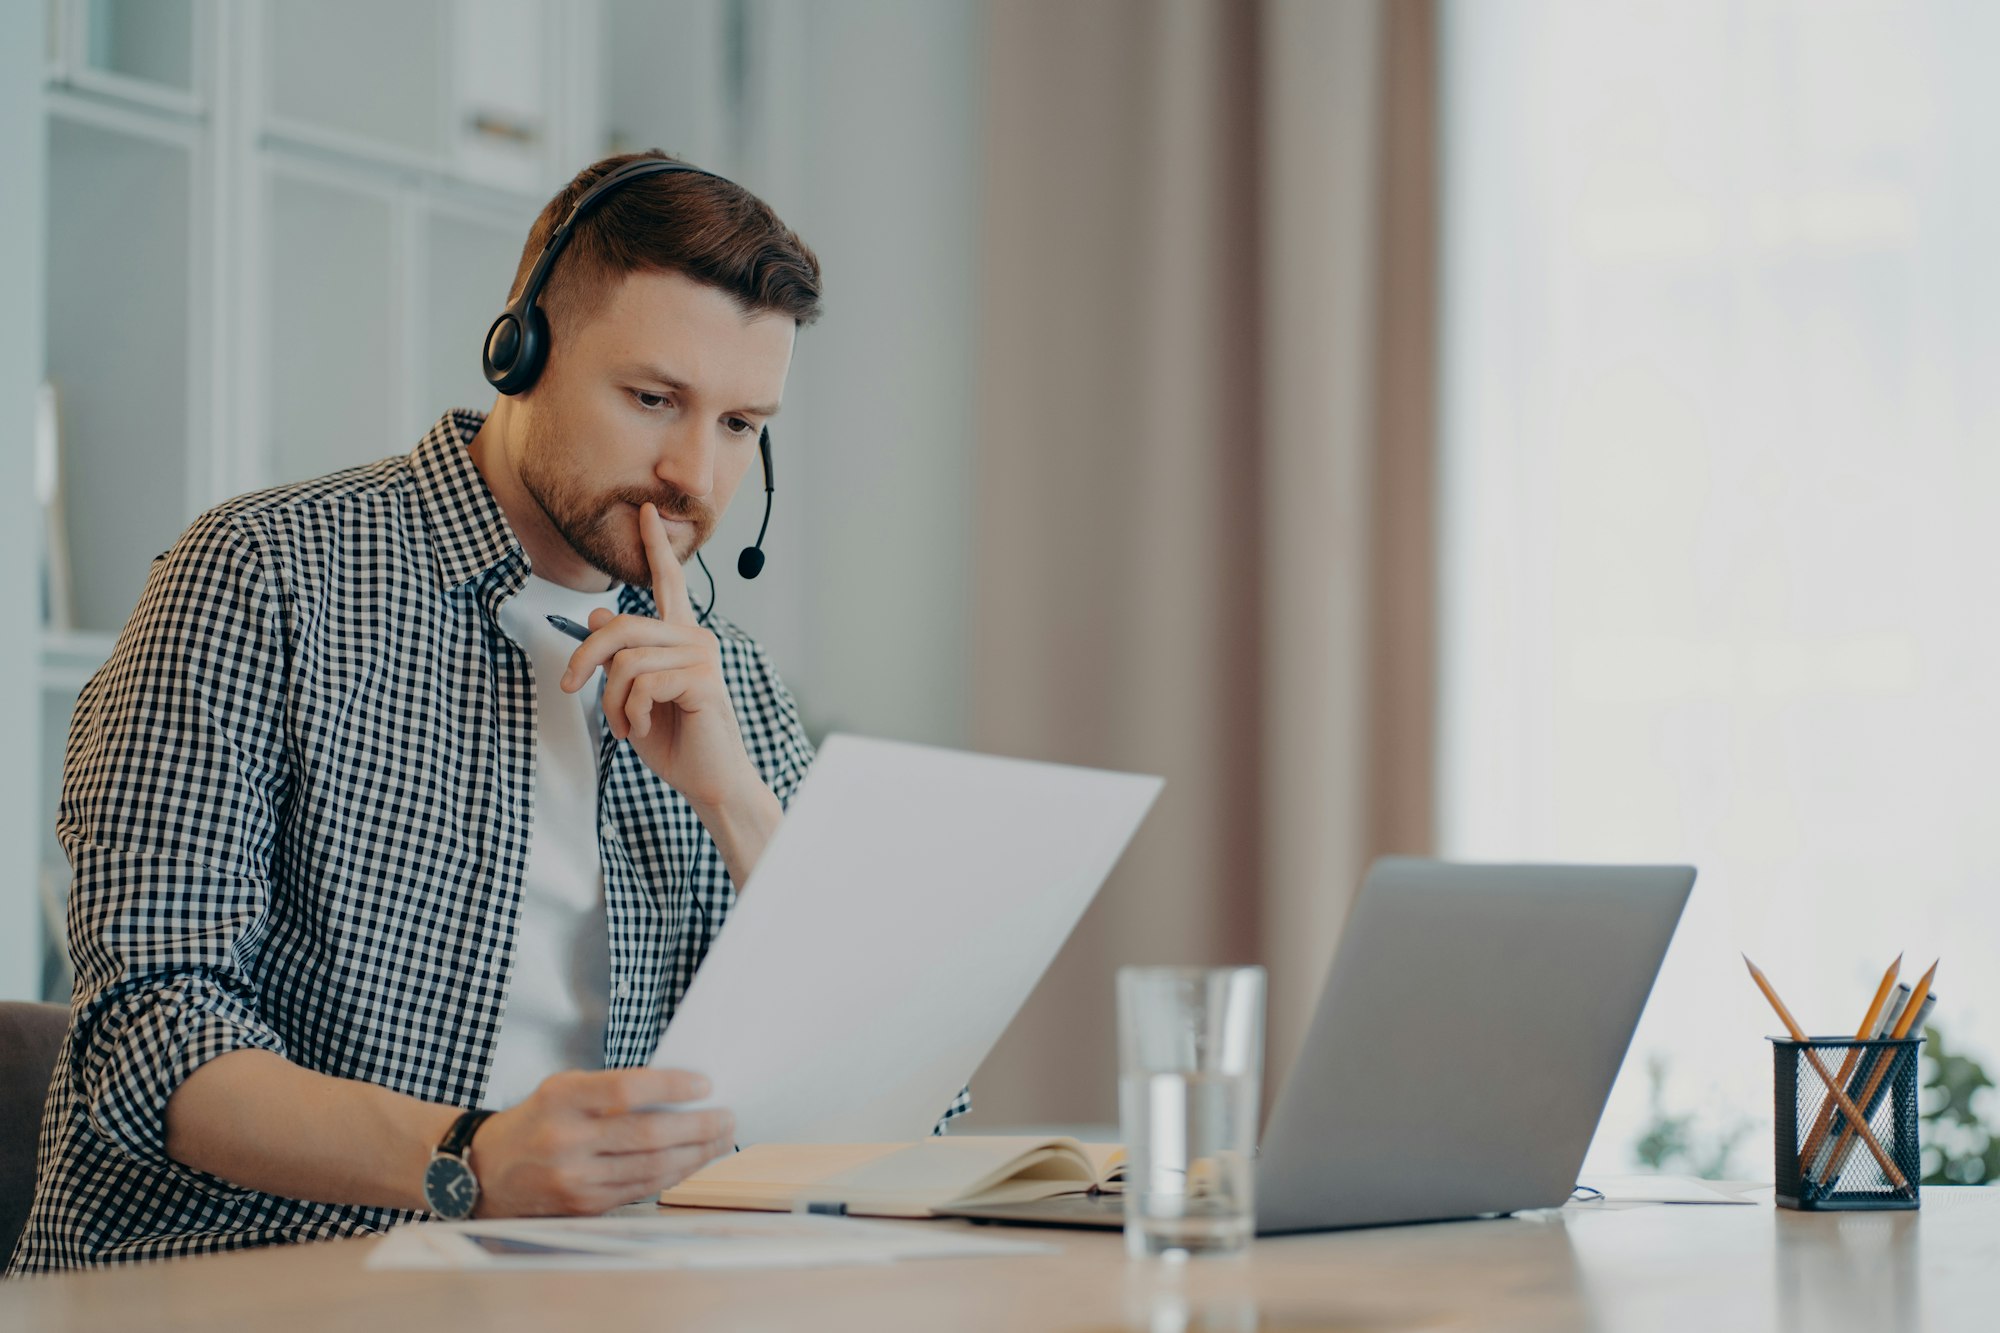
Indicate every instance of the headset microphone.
{"type": "Point", "coordinates": [750, 563]}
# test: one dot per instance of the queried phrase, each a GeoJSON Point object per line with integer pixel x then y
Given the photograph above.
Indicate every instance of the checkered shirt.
{"type": "Point", "coordinates": [296, 802]}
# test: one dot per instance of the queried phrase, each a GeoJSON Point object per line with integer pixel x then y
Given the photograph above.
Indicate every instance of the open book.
{"type": "Point", "coordinates": [902, 1179]}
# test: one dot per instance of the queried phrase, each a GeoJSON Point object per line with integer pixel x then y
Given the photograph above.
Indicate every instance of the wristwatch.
{"type": "Point", "coordinates": [451, 1191]}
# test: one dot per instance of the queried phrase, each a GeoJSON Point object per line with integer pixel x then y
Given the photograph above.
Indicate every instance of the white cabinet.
{"type": "Point", "coordinates": [376, 300]}
{"type": "Point", "coordinates": [674, 78]}
{"type": "Point", "coordinates": [58, 699]}
{"type": "Point", "coordinates": [119, 328]}
{"type": "Point", "coordinates": [502, 93]}
{"type": "Point", "coordinates": [332, 289]}
{"type": "Point", "coordinates": [363, 76]}
{"type": "Point", "coordinates": [466, 88]}
{"type": "Point", "coordinates": [150, 42]}
{"type": "Point", "coordinates": [468, 263]}
{"type": "Point", "coordinates": [276, 233]}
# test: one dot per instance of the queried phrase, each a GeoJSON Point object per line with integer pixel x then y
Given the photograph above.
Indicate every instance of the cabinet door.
{"type": "Point", "coordinates": [119, 340]}
{"type": "Point", "coordinates": [367, 75]}
{"type": "Point", "coordinates": [331, 335]}
{"type": "Point", "coordinates": [670, 77]}
{"type": "Point", "coordinates": [468, 270]}
{"type": "Point", "coordinates": [500, 98]}
{"type": "Point", "coordinates": [149, 41]}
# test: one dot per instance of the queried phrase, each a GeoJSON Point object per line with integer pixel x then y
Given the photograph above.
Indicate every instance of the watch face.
{"type": "Point", "coordinates": [450, 1187]}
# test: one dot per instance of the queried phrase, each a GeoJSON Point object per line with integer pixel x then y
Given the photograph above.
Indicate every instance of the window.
{"type": "Point", "coordinates": [1722, 499]}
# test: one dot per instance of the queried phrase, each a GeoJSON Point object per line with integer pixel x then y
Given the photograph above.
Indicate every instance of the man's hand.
{"type": "Point", "coordinates": [663, 691]}
{"type": "Point", "coordinates": [663, 686]}
{"type": "Point", "coordinates": [579, 1143]}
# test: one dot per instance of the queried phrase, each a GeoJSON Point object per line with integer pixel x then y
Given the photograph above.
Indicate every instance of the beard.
{"type": "Point", "coordinates": [602, 526]}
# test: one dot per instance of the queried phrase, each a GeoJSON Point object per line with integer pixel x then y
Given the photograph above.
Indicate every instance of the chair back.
{"type": "Point", "coordinates": [31, 1039]}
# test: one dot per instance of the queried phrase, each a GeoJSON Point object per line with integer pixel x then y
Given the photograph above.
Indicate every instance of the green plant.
{"type": "Point", "coordinates": [1677, 1141]}
{"type": "Point", "coordinates": [1960, 1148]}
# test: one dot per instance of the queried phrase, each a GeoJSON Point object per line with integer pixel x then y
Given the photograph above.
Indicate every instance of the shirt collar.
{"type": "Point", "coordinates": [470, 536]}
{"type": "Point", "coordinates": [470, 533]}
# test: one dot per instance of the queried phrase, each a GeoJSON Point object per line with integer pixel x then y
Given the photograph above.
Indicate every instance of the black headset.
{"type": "Point", "coordinates": [517, 346]}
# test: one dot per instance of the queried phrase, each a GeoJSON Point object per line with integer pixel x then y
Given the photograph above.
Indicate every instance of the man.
{"type": "Point", "coordinates": [364, 848]}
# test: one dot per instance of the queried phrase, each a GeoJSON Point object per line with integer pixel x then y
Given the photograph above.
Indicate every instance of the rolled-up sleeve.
{"type": "Point", "coordinates": [172, 787]}
{"type": "Point", "coordinates": [786, 752]}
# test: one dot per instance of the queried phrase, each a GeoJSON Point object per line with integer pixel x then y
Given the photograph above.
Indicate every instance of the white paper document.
{"type": "Point", "coordinates": [737, 1240]}
{"type": "Point", "coordinates": [1659, 1189]}
{"type": "Point", "coordinates": [897, 921]}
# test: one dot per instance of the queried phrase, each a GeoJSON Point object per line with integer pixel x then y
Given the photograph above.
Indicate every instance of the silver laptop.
{"type": "Point", "coordinates": [1462, 1049]}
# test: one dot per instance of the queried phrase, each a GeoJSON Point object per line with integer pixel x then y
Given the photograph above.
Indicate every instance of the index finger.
{"type": "Point", "coordinates": [670, 593]}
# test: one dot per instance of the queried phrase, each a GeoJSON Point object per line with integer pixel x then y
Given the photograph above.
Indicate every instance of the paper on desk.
{"type": "Point", "coordinates": [1659, 1189]}
{"type": "Point", "coordinates": [738, 1240]}
{"type": "Point", "coordinates": [896, 922]}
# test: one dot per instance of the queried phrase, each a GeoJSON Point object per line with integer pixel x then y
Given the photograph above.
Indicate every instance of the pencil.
{"type": "Point", "coordinates": [1876, 1068]}
{"type": "Point", "coordinates": [1862, 1033]}
{"type": "Point", "coordinates": [1826, 1077]}
{"type": "Point", "coordinates": [1899, 999]}
{"type": "Point", "coordinates": [1892, 1009]}
{"type": "Point", "coordinates": [1843, 1147]}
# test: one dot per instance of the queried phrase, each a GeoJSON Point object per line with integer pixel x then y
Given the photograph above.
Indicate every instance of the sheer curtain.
{"type": "Point", "coordinates": [1721, 498]}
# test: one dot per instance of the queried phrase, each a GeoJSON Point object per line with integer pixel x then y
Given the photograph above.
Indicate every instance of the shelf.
{"type": "Point", "coordinates": [145, 43]}
{"type": "Point", "coordinates": [146, 55]}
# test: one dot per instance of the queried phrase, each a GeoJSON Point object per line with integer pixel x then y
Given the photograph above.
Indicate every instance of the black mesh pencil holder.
{"type": "Point", "coordinates": [1822, 1161]}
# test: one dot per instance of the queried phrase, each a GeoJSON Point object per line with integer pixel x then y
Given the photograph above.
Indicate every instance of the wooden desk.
{"type": "Point", "coordinates": [1707, 1269]}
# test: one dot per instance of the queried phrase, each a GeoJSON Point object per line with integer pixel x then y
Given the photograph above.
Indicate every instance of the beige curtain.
{"type": "Point", "coordinates": [1203, 528]}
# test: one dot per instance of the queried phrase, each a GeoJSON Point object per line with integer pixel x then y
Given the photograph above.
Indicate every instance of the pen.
{"type": "Point", "coordinates": [570, 627]}
{"type": "Point", "coordinates": [819, 1208]}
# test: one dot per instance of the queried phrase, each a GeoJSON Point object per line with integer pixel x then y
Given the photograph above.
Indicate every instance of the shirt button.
{"type": "Point", "coordinates": [623, 989]}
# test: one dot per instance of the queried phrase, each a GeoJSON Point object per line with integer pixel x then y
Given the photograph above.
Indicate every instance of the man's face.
{"type": "Point", "coordinates": [658, 395]}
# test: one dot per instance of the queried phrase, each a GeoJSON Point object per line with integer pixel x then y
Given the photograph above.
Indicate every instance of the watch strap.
{"type": "Point", "coordinates": [459, 1137]}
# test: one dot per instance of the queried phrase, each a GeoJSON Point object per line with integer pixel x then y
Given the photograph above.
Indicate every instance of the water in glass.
{"type": "Point", "coordinates": [1188, 1179]}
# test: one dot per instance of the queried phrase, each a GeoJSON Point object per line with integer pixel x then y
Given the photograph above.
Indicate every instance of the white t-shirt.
{"type": "Point", "coordinates": [560, 988]}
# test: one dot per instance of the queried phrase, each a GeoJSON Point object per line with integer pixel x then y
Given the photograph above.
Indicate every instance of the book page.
{"type": "Point", "coordinates": [921, 1175]}
{"type": "Point", "coordinates": [1107, 1160]}
{"type": "Point", "coordinates": [939, 1171]}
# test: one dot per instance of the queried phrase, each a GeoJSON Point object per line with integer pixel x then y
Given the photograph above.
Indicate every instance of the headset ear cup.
{"type": "Point", "coordinates": [516, 347]}
{"type": "Point", "coordinates": [501, 349]}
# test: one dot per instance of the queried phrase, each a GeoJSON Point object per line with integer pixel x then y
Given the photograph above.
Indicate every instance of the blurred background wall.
{"type": "Point", "coordinates": [1537, 429]}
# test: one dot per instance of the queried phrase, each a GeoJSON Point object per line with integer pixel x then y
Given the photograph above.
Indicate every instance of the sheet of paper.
{"type": "Point", "coordinates": [733, 1240]}
{"type": "Point", "coordinates": [899, 918]}
{"type": "Point", "coordinates": [1659, 1189]}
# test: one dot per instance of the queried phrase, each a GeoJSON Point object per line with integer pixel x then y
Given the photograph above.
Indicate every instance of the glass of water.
{"type": "Point", "coordinates": [1190, 1059]}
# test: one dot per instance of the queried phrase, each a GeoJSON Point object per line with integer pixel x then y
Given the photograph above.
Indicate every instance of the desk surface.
{"type": "Point", "coordinates": [1587, 1266]}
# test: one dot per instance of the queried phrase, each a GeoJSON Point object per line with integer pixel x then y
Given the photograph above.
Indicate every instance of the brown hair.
{"type": "Point", "coordinates": [705, 227]}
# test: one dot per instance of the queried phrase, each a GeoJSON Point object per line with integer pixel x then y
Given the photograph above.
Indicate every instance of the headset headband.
{"type": "Point", "coordinates": [559, 238]}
